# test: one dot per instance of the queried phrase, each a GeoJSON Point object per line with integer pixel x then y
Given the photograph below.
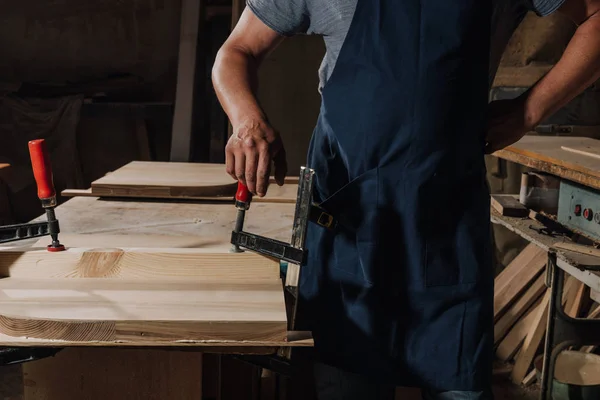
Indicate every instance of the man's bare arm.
{"type": "Point", "coordinates": [254, 143]}
{"type": "Point", "coordinates": [576, 70]}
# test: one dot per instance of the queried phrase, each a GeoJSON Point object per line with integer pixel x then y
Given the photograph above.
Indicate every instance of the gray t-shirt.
{"type": "Point", "coordinates": [331, 19]}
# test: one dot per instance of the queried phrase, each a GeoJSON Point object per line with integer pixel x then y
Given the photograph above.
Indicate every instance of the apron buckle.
{"type": "Point", "coordinates": [322, 218]}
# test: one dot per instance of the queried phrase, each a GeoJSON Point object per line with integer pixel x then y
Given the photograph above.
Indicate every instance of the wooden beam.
{"type": "Point", "coordinates": [508, 205]}
{"type": "Point", "coordinates": [183, 117]}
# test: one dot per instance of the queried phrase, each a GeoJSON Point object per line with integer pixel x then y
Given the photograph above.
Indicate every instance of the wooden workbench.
{"type": "Point", "coordinates": [150, 373]}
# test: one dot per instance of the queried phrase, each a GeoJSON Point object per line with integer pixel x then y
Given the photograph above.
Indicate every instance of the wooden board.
{"type": "Point", "coordinates": [166, 179]}
{"type": "Point", "coordinates": [170, 180]}
{"type": "Point", "coordinates": [157, 311]}
{"type": "Point", "coordinates": [547, 154]}
{"type": "Point", "coordinates": [287, 193]}
{"type": "Point", "coordinates": [202, 265]}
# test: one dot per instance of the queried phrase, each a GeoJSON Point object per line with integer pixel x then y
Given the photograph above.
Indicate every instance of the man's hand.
{"type": "Point", "coordinates": [248, 155]}
{"type": "Point", "coordinates": [508, 122]}
{"type": "Point", "coordinates": [254, 143]}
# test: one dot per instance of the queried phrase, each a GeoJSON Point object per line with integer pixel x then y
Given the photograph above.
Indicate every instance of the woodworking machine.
{"type": "Point", "coordinates": [579, 209]}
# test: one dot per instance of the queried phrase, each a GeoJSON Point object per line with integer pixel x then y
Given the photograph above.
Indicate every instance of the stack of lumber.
{"type": "Point", "coordinates": [521, 301]}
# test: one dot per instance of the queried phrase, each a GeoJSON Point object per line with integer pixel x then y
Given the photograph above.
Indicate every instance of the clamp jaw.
{"type": "Point", "coordinates": [293, 252]}
{"type": "Point", "coordinates": [42, 172]}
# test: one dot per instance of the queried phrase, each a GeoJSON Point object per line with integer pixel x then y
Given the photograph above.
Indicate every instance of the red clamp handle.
{"type": "Point", "coordinates": [243, 195]}
{"type": "Point", "coordinates": [42, 171]}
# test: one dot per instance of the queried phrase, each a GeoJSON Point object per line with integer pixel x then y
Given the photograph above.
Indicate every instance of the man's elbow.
{"type": "Point", "coordinates": [228, 59]}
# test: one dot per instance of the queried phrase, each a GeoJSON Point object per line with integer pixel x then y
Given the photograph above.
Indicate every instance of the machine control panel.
{"type": "Point", "coordinates": [579, 209]}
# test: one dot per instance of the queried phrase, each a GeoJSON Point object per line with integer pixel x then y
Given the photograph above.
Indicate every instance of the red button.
{"type": "Point", "coordinates": [578, 210]}
{"type": "Point", "coordinates": [588, 214]}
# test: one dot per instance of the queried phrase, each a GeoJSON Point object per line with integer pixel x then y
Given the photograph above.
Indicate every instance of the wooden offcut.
{"type": "Point", "coordinates": [508, 205]}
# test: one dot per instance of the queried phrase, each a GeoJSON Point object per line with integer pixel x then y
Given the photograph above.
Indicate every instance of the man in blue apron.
{"type": "Point", "coordinates": [400, 292]}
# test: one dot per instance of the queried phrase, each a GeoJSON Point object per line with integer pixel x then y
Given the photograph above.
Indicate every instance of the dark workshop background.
{"type": "Point", "coordinates": [97, 79]}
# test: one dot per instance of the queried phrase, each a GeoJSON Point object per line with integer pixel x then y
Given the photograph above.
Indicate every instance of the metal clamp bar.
{"type": "Point", "coordinates": [11, 233]}
{"type": "Point", "coordinates": [269, 247]}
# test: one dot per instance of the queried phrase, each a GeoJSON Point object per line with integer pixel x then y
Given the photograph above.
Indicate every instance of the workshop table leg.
{"type": "Point", "coordinates": [555, 284]}
{"type": "Point", "coordinates": [115, 374]}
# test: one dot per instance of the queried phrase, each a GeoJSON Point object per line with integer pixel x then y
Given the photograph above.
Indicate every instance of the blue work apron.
{"type": "Point", "coordinates": [402, 288]}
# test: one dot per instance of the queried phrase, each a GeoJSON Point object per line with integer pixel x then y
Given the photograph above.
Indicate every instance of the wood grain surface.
{"type": "Point", "coordinates": [202, 265]}
{"type": "Point", "coordinates": [170, 180]}
{"type": "Point", "coordinates": [149, 178]}
{"type": "Point", "coordinates": [549, 154]}
{"type": "Point", "coordinates": [164, 311]}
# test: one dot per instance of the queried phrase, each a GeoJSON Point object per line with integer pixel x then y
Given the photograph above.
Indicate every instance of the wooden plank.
{"type": "Point", "coordinates": [516, 277]}
{"type": "Point", "coordinates": [160, 312]}
{"type": "Point", "coordinates": [103, 374]}
{"type": "Point", "coordinates": [170, 179]}
{"type": "Point", "coordinates": [530, 378]}
{"type": "Point", "coordinates": [516, 311]}
{"type": "Point", "coordinates": [546, 154]}
{"type": "Point", "coordinates": [508, 205]}
{"type": "Point", "coordinates": [206, 265]}
{"type": "Point", "coordinates": [511, 343]}
{"type": "Point", "coordinates": [183, 116]}
{"type": "Point", "coordinates": [532, 341]}
{"type": "Point", "coordinates": [137, 240]}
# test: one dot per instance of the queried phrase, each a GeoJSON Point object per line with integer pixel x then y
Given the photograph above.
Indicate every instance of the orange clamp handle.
{"type": "Point", "coordinates": [242, 195]}
{"type": "Point", "coordinates": [42, 171]}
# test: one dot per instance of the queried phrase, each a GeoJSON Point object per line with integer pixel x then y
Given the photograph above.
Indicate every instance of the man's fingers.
{"type": "Point", "coordinates": [263, 171]}
{"type": "Point", "coordinates": [280, 162]}
{"type": "Point", "coordinates": [230, 163]}
{"type": "Point", "coordinates": [240, 167]}
{"type": "Point", "coordinates": [251, 166]}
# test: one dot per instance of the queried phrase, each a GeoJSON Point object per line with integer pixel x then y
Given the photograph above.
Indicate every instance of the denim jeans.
{"type": "Point", "coordinates": [335, 384]}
